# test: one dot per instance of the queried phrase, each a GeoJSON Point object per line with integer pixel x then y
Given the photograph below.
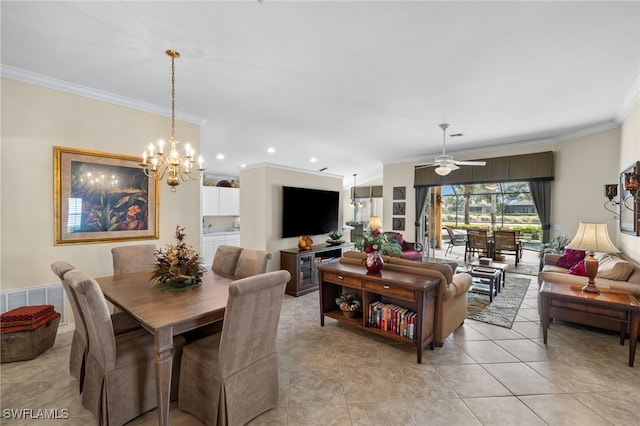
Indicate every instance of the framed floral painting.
{"type": "Point", "coordinates": [102, 197]}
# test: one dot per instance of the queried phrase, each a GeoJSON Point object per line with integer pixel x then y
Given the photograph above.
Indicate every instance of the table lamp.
{"type": "Point", "coordinates": [592, 237]}
{"type": "Point", "coordinates": [374, 223]}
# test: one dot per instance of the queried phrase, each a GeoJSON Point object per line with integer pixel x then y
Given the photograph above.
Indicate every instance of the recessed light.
{"type": "Point", "coordinates": [243, 165]}
{"type": "Point", "coordinates": [271, 150]}
{"type": "Point", "coordinates": [220, 156]}
{"type": "Point", "coordinates": [313, 159]}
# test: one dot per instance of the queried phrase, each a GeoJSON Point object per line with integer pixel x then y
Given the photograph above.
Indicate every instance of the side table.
{"type": "Point", "coordinates": [617, 305]}
{"type": "Point", "coordinates": [485, 282]}
{"type": "Point", "coordinates": [493, 265]}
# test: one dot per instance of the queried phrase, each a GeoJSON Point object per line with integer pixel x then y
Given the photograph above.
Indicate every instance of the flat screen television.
{"type": "Point", "coordinates": [309, 211]}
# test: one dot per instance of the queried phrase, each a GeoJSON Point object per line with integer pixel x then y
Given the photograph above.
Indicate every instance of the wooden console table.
{"type": "Point", "coordinates": [610, 304]}
{"type": "Point", "coordinates": [417, 293]}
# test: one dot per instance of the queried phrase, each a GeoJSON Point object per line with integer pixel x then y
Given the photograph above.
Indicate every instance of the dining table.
{"type": "Point", "coordinates": [165, 314]}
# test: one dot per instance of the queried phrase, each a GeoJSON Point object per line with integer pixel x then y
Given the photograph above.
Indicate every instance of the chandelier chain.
{"type": "Point", "coordinates": [173, 97]}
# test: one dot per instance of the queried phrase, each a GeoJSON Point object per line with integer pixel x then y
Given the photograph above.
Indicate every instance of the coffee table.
{"type": "Point", "coordinates": [485, 282]}
{"type": "Point", "coordinates": [493, 265]}
{"type": "Point", "coordinates": [612, 304]}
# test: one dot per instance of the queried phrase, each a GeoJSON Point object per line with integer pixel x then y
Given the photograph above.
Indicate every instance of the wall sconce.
{"type": "Point", "coordinates": [631, 182]}
{"type": "Point", "coordinates": [611, 192]}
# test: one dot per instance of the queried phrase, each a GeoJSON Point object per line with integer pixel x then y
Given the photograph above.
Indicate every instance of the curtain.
{"type": "Point", "coordinates": [541, 194]}
{"type": "Point", "coordinates": [421, 200]}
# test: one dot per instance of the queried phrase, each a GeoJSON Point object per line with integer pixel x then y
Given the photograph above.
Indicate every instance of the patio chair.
{"type": "Point", "coordinates": [477, 242]}
{"type": "Point", "coordinates": [506, 242]}
{"type": "Point", "coordinates": [454, 240]}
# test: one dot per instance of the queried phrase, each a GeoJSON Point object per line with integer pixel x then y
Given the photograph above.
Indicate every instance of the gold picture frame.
{"type": "Point", "coordinates": [101, 197]}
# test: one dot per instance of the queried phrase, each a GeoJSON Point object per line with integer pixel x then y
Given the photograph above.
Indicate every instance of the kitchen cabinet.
{"type": "Point", "coordinates": [211, 242]}
{"type": "Point", "coordinates": [220, 201]}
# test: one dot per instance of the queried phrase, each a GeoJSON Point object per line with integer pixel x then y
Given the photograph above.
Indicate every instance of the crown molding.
{"type": "Point", "coordinates": [628, 102]}
{"type": "Point", "coordinates": [291, 169]}
{"type": "Point", "coordinates": [91, 93]}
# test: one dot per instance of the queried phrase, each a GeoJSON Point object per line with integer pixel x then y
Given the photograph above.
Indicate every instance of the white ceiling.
{"type": "Point", "coordinates": [355, 84]}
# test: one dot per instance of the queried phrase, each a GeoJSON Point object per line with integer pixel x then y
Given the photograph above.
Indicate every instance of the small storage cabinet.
{"type": "Point", "coordinates": [302, 265]}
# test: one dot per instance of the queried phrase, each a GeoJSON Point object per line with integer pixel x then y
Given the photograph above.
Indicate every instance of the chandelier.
{"type": "Point", "coordinates": [156, 163]}
{"type": "Point", "coordinates": [355, 202]}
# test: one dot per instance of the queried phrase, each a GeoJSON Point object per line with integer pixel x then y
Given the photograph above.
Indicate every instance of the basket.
{"type": "Point", "coordinates": [28, 331]}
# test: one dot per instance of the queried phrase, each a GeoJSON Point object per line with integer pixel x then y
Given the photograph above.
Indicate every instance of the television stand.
{"type": "Point", "coordinates": [303, 264]}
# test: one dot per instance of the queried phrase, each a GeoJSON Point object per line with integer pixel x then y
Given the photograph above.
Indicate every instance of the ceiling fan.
{"type": "Point", "coordinates": [445, 163]}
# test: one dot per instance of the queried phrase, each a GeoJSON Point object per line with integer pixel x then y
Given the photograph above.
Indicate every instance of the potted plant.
{"type": "Point", "coordinates": [335, 238]}
{"type": "Point", "coordinates": [349, 304]}
{"type": "Point", "coordinates": [179, 266]}
{"type": "Point", "coordinates": [555, 245]}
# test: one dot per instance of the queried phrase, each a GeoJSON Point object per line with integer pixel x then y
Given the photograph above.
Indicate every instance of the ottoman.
{"type": "Point", "coordinates": [27, 331]}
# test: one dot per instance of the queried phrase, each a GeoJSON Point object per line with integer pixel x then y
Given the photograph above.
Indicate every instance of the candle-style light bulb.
{"type": "Point", "coordinates": [187, 149]}
{"type": "Point", "coordinates": [144, 157]}
{"type": "Point", "coordinates": [150, 150]}
{"type": "Point", "coordinates": [200, 161]}
{"type": "Point", "coordinates": [161, 146]}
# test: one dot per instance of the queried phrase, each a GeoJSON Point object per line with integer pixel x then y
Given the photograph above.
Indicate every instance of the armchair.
{"type": "Point", "coordinates": [410, 251]}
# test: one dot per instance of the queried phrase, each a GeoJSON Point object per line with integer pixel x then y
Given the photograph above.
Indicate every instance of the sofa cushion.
{"type": "Point", "coordinates": [570, 257]}
{"type": "Point", "coordinates": [578, 269]}
{"type": "Point", "coordinates": [614, 268]}
{"type": "Point", "coordinates": [443, 268]}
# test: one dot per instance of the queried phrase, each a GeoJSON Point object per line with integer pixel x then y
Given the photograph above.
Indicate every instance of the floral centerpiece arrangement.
{"type": "Point", "coordinates": [348, 303]}
{"type": "Point", "coordinates": [179, 266]}
{"type": "Point", "coordinates": [376, 241]}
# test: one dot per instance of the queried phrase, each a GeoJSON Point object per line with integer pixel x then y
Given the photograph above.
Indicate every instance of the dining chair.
{"type": "Point", "coordinates": [119, 382]}
{"type": "Point", "coordinates": [135, 258]}
{"type": "Point", "coordinates": [477, 242]}
{"type": "Point", "coordinates": [506, 242]}
{"type": "Point", "coordinates": [230, 377]}
{"type": "Point", "coordinates": [454, 240]}
{"type": "Point", "coordinates": [122, 323]}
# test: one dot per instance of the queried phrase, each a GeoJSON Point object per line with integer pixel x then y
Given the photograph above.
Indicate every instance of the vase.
{"type": "Point", "coordinates": [374, 262]}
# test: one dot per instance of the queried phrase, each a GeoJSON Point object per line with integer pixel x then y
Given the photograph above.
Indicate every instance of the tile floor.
{"type": "Point", "coordinates": [338, 375]}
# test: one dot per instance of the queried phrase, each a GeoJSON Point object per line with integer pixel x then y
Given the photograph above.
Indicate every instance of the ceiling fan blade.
{"type": "Point", "coordinates": [422, 166]}
{"type": "Point", "coordinates": [470, 163]}
{"type": "Point", "coordinates": [453, 166]}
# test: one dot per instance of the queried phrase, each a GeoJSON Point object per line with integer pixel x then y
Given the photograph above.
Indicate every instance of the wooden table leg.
{"type": "Point", "coordinates": [544, 315]}
{"type": "Point", "coordinates": [633, 336]}
{"type": "Point", "coordinates": [164, 363]}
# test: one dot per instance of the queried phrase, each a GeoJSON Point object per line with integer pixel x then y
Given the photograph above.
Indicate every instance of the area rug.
{"type": "Point", "coordinates": [504, 308]}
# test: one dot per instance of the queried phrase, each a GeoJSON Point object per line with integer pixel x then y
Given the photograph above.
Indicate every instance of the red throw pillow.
{"type": "Point", "coordinates": [578, 269]}
{"type": "Point", "coordinates": [570, 257]}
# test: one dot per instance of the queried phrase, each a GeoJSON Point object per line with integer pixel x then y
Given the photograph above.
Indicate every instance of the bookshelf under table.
{"type": "Point", "coordinates": [416, 293]}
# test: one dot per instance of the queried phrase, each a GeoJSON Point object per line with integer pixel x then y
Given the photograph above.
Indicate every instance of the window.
{"type": "Point", "coordinates": [491, 205]}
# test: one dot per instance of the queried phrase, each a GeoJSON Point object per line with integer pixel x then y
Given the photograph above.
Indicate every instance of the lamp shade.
{"type": "Point", "coordinates": [374, 222]}
{"type": "Point", "coordinates": [592, 237]}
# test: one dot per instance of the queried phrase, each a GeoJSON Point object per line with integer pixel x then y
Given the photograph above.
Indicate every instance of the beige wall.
{"type": "Point", "coordinates": [582, 167]}
{"type": "Point", "coordinates": [629, 153]}
{"type": "Point", "coordinates": [261, 195]}
{"type": "Point", "coordinates": [34, 119]}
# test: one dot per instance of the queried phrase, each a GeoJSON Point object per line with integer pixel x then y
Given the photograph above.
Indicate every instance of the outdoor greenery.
{"type": "Point", "coordinates": [498, 206]}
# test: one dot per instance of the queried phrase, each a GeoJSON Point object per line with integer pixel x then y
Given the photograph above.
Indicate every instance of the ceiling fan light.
{"type": "Point", "coordinates": [443, 170]}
